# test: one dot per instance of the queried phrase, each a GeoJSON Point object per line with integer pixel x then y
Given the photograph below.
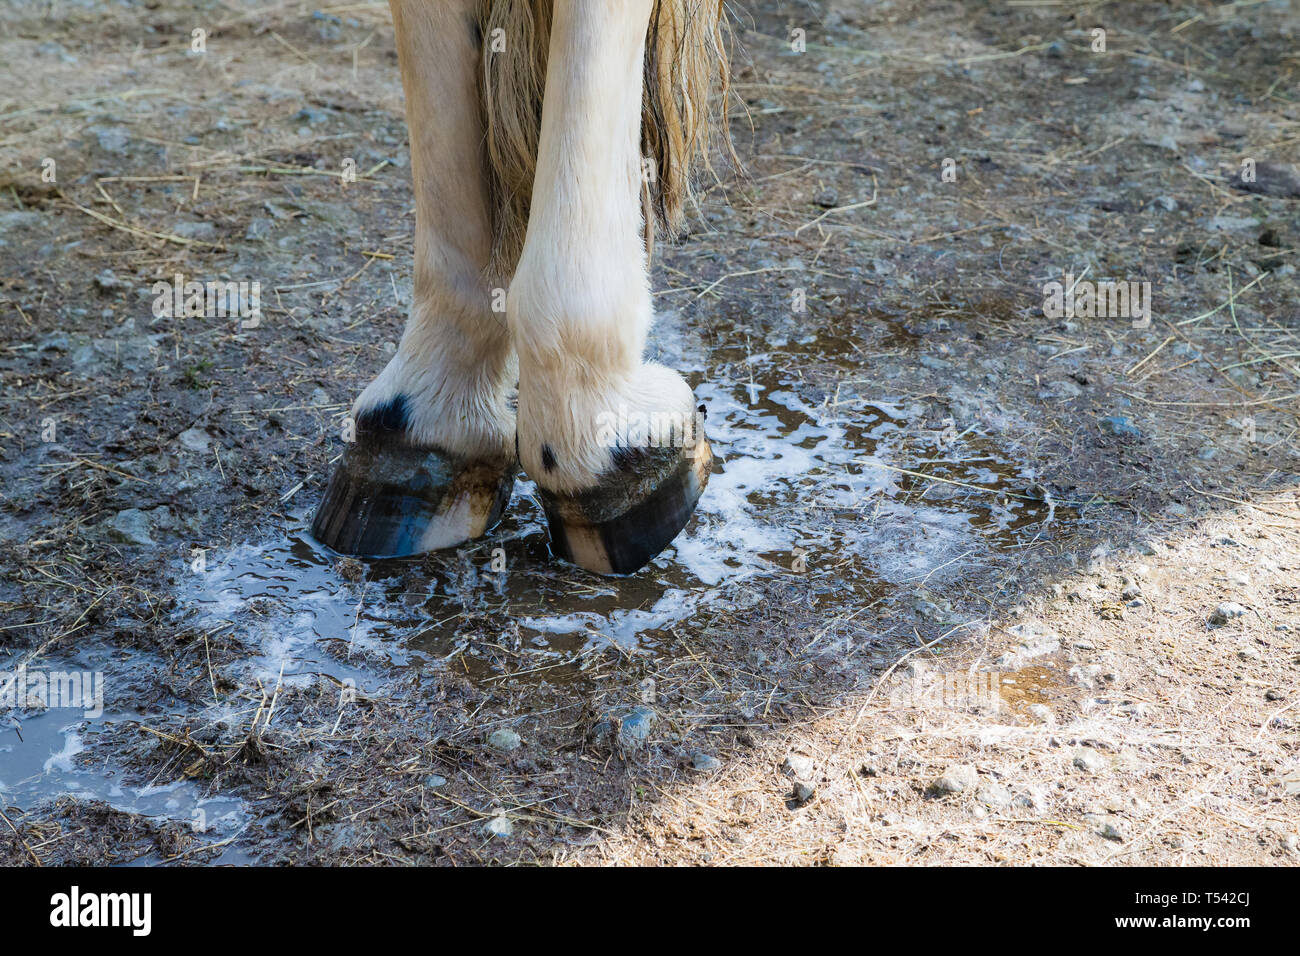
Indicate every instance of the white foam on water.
{"type": "Point", "coordinates": [61, 760]}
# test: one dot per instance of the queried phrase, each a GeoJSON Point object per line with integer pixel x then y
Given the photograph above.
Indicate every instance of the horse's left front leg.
{"type": "Point", "coordinates": [612, 441]}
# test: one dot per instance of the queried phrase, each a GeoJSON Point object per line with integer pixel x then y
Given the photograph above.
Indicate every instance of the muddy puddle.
{"type": "Point", "coordinates": [851, 490]}
{"type": "Point", "coordinates": [854, 490]}
{"type": "Point", "coordinates": [52, 747]}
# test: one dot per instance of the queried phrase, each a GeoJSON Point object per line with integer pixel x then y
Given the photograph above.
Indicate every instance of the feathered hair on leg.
{"type": "Point", "coordinates": [684, 109]}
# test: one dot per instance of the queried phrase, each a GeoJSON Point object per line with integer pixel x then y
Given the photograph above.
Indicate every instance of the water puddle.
{"type": "Point", "coordinates": [853, 491]}
{"type": "Point", "coordinates": [50, 748]}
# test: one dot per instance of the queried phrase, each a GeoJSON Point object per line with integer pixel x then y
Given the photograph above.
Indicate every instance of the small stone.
{"type": "Point", "coordinates": [499, 826]}
{"type": "Point", "coordinates": [803, 791]}
{"type": "Point", "coordinates": [798, 766]}
{"type": "Point", "coordinates": [634, 729]}
{"type": "Point", "coordinates": [194, 229]}
{"type": "Point", "coordinates": [1111, 831]}
{"type": "Point", "coordinates": [827, 199]}
{"type": "Point", "coordinates": [504, 740]}
{"type": "Point", "coordinates": [434, 781]}
{"type": "Point", "coordinates": [258, 228]}
{"type": "Point", "coordinates": [1226, 612]}
{"type": "Point", "coordinates": [1088, 760]}
{"type": "Point", "coordinates": [704, 762]}
{"type": "Point", "coordinates": [131, 526]}
{"type": "Point", "coordinates": [1274, 694]}
{"type": "Point", "coordinates": [994, 796]}
{"type": "Point", "coordinates": [111, 139]}
{"type": "Point", "coordinates": [54, 342]}
{"type": "Point", "coordinates": [195, 439]}
{"type": "Point", "coordinates": [1131, 593]}
{"type": "Point", "coordinates": [106, 281]}
{"type": "Point", "coordinates": [1248, 654]}
{"type": "Point", "coordinates": [1041, 713]}
{"type": "Point", "coordinates": [956, 779]}
{"type": "Point", "coordinates": [1029, 800]}
{"type": "Point", "coordinates": [1119, 425]}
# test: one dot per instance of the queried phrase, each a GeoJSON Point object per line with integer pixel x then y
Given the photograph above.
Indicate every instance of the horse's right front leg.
{"type": "Point", "coordinates": [434, 457]}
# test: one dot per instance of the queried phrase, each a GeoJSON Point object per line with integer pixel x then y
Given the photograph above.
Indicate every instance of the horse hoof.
{"type": "Point", "coordinates": [631, 514]}
{"type": "Point", "coordinates": [388, 499]}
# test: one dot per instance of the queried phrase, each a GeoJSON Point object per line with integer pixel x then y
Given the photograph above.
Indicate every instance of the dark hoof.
{"type": "Point", "coordinates": [388, 499]}
{"type": "Point", "coordinates": [632, 514]}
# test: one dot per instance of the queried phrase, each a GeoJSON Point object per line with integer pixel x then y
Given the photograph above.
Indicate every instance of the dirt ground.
{"type": "Point", "coordinates": [975, 620]}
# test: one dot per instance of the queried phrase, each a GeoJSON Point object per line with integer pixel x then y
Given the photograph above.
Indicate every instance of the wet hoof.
{"type": "Point", "coordinates": [633, 513]}
{"type": "Point", "coordinates": [388, 499]}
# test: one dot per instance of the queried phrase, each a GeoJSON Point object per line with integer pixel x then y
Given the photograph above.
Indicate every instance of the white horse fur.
{"type": "Point", "coordinates": [578, 307]}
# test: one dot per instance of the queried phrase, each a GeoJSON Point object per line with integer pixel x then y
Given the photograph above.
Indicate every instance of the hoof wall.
{"type": "Point", "coordinates": [621, 524]}
{"type": "Point", "coordinates": [387, 499]}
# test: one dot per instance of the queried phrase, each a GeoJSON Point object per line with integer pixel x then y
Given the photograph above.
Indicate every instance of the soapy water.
{"type": "Point", "coordinates": [806, 483]}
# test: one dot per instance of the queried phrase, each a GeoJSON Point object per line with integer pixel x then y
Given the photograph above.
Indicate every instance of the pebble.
{"type": "Point", "coordinates": [192, 229]}
{"type": "Point", "coordinates": [1111, 831]}
{"type": "Point", "coordinates": [803, 791]}
{"type": "Point", "coordinates": [131, 526]}
{"type": "Point", "coordinates": [1029, 800]}
{"type": "Point", "coordinates": [106, 281]}
{"type": "Point", "coordinates": [435, 781]}
{"type": "Point", "coordinates": [1228, 611]}
{"type": "Point", "coordinates": [195, 439]}
{"type": "Point", "coordinates": [635, 728]}
{"type": "Point", "coordinates": [1088, 760]}
{"type": "Point", "coordinates": [827, 199]}
{"type": "Point", "coordinates": [704, 762]}
{"type": "Point", "coordinates": [994, 795]}
{"type": "Point", "coordinates": [504, 740]}
{"type": "Point", "coordinates": [798, 766]}
{"type": "Point", "coordinates": [1119, 425]}
{"type": "Point", "coordinates": [111, 139]}
{"type": "Point", "coordinates": [956, 779]}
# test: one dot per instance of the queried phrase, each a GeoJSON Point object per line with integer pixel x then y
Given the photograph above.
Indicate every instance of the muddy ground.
{"type": "Point", "coordinates": [953, 595]}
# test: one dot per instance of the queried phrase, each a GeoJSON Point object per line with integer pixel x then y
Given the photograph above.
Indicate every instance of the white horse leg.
{"type": "Point", "coordinates": [613, 442]}
{"type": "Point", "coordinates": [434, 456]}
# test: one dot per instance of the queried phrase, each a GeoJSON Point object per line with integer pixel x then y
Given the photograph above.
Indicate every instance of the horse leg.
{"type": "Point", "coordinates": [434, 457]}
{"type": "Point", "coordinates": [612, 441]}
